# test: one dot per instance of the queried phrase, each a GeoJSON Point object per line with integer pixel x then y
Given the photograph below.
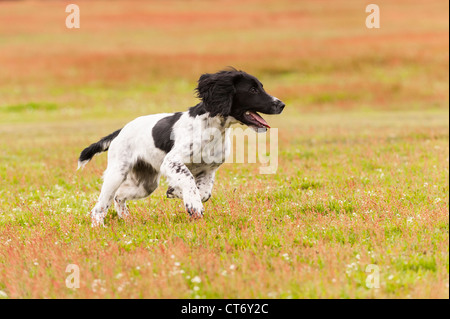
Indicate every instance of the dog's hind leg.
{"type": "Point", "coordinates": [128, 191]}
{"type": "Point", "coordinates": [120, 199]}
{"type": "Point", "coordinates": [174, 192]}
{"type": "Point", "coordinates": [205, 182]}
{"type": "Point", "coordinates": [113, 178]}
{"type": "Point", "coordinates": [141, 181]}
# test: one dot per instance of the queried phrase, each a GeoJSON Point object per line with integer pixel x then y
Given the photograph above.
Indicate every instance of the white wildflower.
{"type": "Point", "coordinates": [196, 279]}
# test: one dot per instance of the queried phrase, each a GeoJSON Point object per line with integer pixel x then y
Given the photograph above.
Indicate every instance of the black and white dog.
{"type": "Point", "coordinates": [159, 144]}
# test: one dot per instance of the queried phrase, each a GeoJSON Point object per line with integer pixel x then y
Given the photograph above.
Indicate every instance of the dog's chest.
{"type": "Point", "coordinates": [205, 142]}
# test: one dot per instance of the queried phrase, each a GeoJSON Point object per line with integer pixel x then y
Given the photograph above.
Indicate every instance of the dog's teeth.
{"type": "Point", "coordinates": [247, 113]}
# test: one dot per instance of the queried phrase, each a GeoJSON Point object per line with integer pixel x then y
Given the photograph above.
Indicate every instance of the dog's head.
{"type": "Point", "coordinates": [239, 95]}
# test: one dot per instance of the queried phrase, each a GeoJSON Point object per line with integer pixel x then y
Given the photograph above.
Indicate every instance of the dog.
{"type": "Point", "coordinates": [160, 144]}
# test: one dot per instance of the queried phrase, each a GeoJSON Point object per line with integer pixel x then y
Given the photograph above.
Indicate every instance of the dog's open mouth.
{"type": "Point", "coordinates": [255, 121]}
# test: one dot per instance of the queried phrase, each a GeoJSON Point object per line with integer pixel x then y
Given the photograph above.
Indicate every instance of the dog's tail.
{"type": "Point", "coordinates": [101, 146]}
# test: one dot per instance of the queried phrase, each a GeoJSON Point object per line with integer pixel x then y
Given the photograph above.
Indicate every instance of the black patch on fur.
{"type": "Point", "coordinates": [181, 169]}
{"type": "Point", "coordinates": [170, 191]}
{"type": "Point", "coordinates": [145, 175]}
{"type": "Point", "coordinates": [100, 146]}
{"type": "Point", "coordinates": [199, 109]}
{"type": "Point", "coordinates": [162, 130]}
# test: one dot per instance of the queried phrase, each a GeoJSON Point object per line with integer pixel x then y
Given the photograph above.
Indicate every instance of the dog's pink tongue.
{"type": "Point", "coordinates": [259, 119]}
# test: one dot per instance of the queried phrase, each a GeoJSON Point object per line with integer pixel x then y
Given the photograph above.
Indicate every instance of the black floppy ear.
{"type": "Point", "coordinates": [217, 92]}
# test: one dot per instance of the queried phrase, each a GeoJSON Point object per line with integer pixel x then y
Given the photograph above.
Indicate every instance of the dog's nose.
{"type": "Point", "coordinates": [280, 106]}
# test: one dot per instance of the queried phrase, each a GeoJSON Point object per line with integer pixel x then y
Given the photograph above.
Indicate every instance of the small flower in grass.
{"type": "Point", "coordinates": [351, 267]}
{"type": "Point", "coordinates": [285, 257]}
{"type": "Point", "coordinates": [391, 277]}
{"type": "Point", "coordinates": [177, 264]}
{"type": "Point", "coordinates": [409, 220]}
{"type": "Point", "coordinates": [196, 280]}
{"type": "Point", "coordinates": [437, 200]}
{"type": "Point", "coordinates": [97, 284]}
{"type": "Point", "coordinates": [196, 288]}
{"type": "Point", "coordinates": [232, 267]}
{"type": "Point", "coordinates": [3, 294]}
{"type": "Point", "coordinates": [272, 294]}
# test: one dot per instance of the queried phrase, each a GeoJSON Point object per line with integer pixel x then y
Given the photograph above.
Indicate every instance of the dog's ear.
{"type": "Point", "coordinates": [217, 92]}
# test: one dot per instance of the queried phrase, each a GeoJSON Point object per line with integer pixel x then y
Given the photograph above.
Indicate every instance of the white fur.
{"type": "Point", "coordinates": [190, 181]}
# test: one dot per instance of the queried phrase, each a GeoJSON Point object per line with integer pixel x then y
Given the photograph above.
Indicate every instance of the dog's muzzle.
{"type": "Point", "coordinates": [278, 106]}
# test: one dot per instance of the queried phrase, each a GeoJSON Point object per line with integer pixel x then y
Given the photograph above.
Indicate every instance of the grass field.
{"type": "Point", "coordinates": [363, 150]}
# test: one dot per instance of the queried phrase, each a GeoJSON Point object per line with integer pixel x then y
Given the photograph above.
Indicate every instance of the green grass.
{"type": "Point", "coordinates": [351, 196]}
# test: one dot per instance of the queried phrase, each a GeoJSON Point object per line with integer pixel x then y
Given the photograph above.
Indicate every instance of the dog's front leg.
{"type": "Point", "coordinates": [179, 176]}
{"type": "Point", "coordinates": [205, 182]}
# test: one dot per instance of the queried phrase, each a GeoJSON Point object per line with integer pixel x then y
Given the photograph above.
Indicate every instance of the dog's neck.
{"type": "Point", "coordinates": [219, 122]}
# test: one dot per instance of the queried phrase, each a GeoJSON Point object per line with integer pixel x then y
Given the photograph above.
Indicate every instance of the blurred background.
{"type": "Point", "coordinates": [136, 57]}
{"type": "Point", "coordinates": [62, 89]}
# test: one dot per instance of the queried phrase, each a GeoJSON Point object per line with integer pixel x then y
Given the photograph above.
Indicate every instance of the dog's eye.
{"type": "Point", "coordinates": [253, 90]}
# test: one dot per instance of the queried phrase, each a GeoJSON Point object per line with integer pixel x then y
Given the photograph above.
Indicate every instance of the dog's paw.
{"type": "Point", "coordinates": [195, 210]}
{"type": "Point", "coordinates": [123, 213]}
{"type": "Point", "coordinates": [97, 220]}
{"type": "Point", "coordinates": [121, 209]}
{"type": "Point", "coordinates": [206, 197]}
